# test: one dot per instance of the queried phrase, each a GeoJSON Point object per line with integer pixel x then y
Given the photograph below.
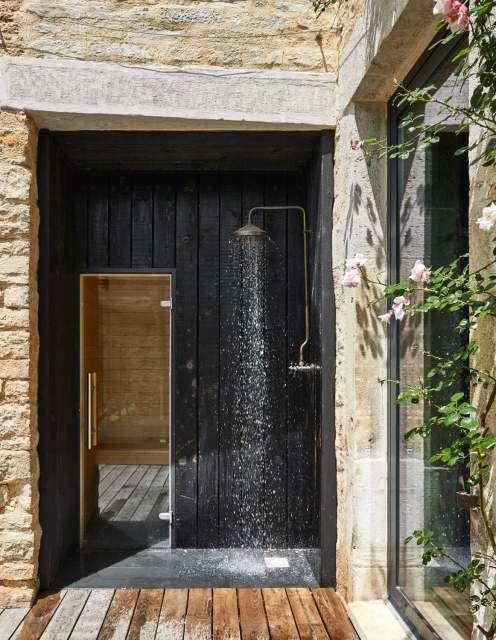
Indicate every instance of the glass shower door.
{"type": "Point", "coordinates": [125, 402]}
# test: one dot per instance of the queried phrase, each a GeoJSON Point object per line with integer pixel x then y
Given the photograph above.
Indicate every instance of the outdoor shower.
{"type": "Point", "coordinates": [251, 232]}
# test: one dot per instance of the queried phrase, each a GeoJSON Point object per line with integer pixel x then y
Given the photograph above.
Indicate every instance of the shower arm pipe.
{"type": "Point", "coordinates": [306, 231]}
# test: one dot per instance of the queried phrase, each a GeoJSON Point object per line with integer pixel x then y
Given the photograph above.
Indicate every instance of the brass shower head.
{"type": "Point", "coordinates": [250, 232]}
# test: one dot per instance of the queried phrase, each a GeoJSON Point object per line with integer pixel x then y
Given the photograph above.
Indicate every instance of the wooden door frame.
{"type": "Point", "coordinates": [327, 322]}
{"type": "Point", "coordinates": [110, 271]}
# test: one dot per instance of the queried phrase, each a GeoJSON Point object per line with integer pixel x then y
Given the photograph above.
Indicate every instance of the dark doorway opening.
{"type": "Point", "coordinates": [133, 203]}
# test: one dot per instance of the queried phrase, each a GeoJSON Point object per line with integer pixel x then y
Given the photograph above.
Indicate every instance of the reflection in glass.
{"type": "Point", "coordinates": [433, 188]}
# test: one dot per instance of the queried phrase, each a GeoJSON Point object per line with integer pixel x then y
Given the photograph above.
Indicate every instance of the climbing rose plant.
{"type": "Point", "coordinates": [469, 294]}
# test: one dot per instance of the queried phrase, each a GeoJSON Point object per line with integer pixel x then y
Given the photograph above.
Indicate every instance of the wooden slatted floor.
{"type": "Point", "coordinates": [132, 493]}
{"type": "Point", "coordinates": [130, 499]}
{"type": "Point", "coordinates": [180, 614]}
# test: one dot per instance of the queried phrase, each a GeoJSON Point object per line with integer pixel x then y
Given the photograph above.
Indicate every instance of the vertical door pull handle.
{"type": "Point", "coordinates": [91, 410]}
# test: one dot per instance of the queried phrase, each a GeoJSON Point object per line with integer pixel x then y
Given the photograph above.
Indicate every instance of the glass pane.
{"type": "Point", "coordinates": [126, 352]}
{"type": "Point", "coordinates": [433, 187]}
{"type": "Point", "coordinates": [132, 341]}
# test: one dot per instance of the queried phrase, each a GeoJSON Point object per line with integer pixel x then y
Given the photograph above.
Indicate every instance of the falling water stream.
{"type": "Point", "coordinates": [249, 388]}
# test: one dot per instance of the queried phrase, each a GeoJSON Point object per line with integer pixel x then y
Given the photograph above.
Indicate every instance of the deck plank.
{"type": "Point", "coordinates": [91, 619]}
{"type": "Point", "coordinates": [138, 494]}
{"type": "Point", "coordinates": [66, 615]}
{"type": "Point", "coordinates": [105, 498]}
{"type": "Point", "coordinates": [252, 615]}
{"type": "Point", "coordinates": [104, 470]}
{"type": "Point", "coordinates": [10, 620]}
{"type": "Point", "coordinates": [161, 504]}
{"type": "Point", "coordinates": [279, 615]}
{"type": "Point", "coordinates": [225, 623]}
{"type": "Point", "coordinates": [155, 488]}
{"type": "Point", "coordinates": [110, 478]}
{"type": "Point", "coordinates": [198, 625]}
{"type": "Point", "coordinates": [114, 501]}
{"type": "Point", "coordinates": [172, 615]}
{"type": "Point", "coordinates": [38, 618]}
{"type": "Point", "coordinates": [306, 615]}
{"type": "Point", "coordinates": [181, 614]}
{"type": "Point", "coordinates": [116, 623]}
{"type": "Point", "coordinates": [333, 614]}
{"type": "Point", "coordinates": [146, 614]}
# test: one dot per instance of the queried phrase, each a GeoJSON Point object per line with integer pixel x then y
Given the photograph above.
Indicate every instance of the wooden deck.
{"type": "Point", "coordinates": [134, 493]}
{"type": "Point", "coordinates": [180, 614]}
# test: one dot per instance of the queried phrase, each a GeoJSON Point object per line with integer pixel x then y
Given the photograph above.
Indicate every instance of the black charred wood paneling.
{"type": "Point", "coordinates": [186, 379]}
{"type": "Point", "coordinates": [325, 311]}
{"type": "Point", "coordinates": [230, 472]}
{"type": "Point", "coordinates": [135, 220]}
{"type": "Point", "coordinates": [208, 358]}
{"type": "Point", "coordinates": [58, 396]}
{"type": "Point", "coordinates": [183, 221]}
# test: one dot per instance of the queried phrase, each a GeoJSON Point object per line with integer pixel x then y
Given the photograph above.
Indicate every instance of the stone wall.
{"type": "Point", "coordinates": [482, 193]}
{"type": "Point", "coordinates": [361, 434]}
{"type": "Point", "coordinates": [19, 528]}
{"type": "Point", "coordinates": [265, 34]}
{"type": "Point", "coordinates": [368, 66]}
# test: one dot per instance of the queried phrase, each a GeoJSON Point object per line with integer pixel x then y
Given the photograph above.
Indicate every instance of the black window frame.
{"type": "Point", "coordinates": [422, 74]}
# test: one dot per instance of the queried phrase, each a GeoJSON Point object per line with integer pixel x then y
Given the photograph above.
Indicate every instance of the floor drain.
{"type": "Point", "coordinates": [276, 563]}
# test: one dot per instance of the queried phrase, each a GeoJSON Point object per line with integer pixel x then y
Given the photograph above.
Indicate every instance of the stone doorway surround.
{"type": "Point", "coordinates": [74, 95]}
{"type": "Point", "coordinates": [70, 95]}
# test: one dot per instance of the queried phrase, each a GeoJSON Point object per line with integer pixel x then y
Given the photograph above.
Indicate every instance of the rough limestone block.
{"type": "Point", "coordinates": [15, 465]}
{"type": "Point", "coordinates": [203, 34]}
{"type": "Point", "coordinates": [14, 420]}
{"type": "Point", "coordinates": [14, 220]}
{"type": "Point", "coordinates": [14, 344]}
{"type": "Point", "coordinates": [14, 270]}
{"type": "Point", "coordinates": [22, 596]}
{"type": "Point", "coordinates": [15, 520]}
{"type": "Point", "coordinates": [14, 369]}
{"type": "Point", "coordinates": [16, 183]}
{"type": "Point", "coordinates": [16, 545]}
{"type": "Point", "coordinates": [17, 570]}
{"type": "Point", "coordinates": [17, 390]}
{"type": "Point", "coordinates": [14, 319]}
{"type": "Point", "coordinates": [16, 297]}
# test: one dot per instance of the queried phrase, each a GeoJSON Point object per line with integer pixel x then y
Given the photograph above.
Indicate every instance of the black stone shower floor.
{"type": "Point", "coordinates": [189, 568]}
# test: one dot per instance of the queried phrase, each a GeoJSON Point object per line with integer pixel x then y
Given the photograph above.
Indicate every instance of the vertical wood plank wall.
{"type": "Point", "coordinates": [183, 220]}
{"type": "Point", "coordinates": [58, 397]}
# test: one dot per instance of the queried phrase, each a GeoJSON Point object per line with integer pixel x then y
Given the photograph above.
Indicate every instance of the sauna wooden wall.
{"type": "Point", "coordinates": [133, 360]}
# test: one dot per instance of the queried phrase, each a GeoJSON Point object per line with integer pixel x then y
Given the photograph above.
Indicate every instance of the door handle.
{"type": "Point", "coordinates": [91, 410]}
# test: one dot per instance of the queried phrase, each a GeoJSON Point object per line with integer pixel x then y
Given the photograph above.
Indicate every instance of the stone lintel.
{"type": "Point", "coordinates": [69, 94]}
{"type": "Point", "coordinates": [386, 42]}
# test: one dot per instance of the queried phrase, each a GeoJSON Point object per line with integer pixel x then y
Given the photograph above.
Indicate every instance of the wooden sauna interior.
{"type": "Point", "coordinates": [126, 347]}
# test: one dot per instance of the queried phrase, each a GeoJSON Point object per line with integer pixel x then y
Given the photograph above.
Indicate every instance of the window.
{"type": "Point", "coordinates": [428, 218]}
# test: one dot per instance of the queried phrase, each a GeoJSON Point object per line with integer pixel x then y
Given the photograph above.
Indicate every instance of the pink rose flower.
{"type": "Point", "coordinates": [420, 273]}
{"type": "Point", "coordinates": [398, 306]}
{"type": "Point", "coordinates": [454, 12]}
{"type": "Point", "coordinates": [352, 278]}
{"type": "Point", "coordinates": [463, 19]}
{"type": "Point", "coordinates": [488, 219]}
